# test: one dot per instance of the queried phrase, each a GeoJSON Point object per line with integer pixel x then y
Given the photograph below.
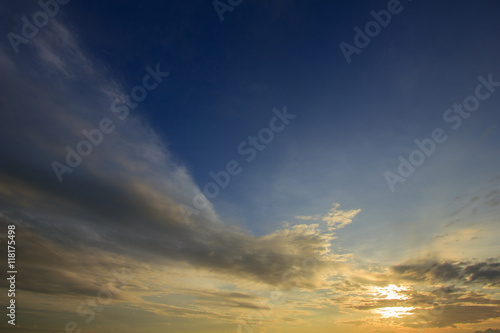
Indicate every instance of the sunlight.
{"type": "Point", "coordinates": [395, 311]}
{"type": "Point", "coordinates": [391, 292]}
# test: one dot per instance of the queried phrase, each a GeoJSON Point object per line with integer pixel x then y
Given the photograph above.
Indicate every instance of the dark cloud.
{"type": "Point", "coordinates": [451, 315]}
{"type": "Point", "coordinates": [430, 270]}
{"type": "Point", "coordinates": [486, 273]}
{"type": "Point", "coordinates": [52, 268]}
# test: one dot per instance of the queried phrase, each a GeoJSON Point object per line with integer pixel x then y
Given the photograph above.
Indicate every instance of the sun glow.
{"type": "Point", "coordinates": [395, 311]}
{"type": "Point", "coordinates": [391, 292]}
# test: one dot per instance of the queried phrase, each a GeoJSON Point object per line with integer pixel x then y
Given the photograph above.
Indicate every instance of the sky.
{"type": "Point", "coordinates": [245, 166]}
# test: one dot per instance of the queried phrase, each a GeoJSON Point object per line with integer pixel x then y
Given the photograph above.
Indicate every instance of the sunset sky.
{"type": "Point", "coordinates": [251, 166]}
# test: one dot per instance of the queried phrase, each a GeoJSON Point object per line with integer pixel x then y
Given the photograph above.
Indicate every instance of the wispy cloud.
{"type": "Point", "coordinates": [120, 208]}
{"type": "Point", "coordinates": [335, 218]}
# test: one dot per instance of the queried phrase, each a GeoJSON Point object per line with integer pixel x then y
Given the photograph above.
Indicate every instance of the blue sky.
{"type": "Point", "coordinates": [317, 190]}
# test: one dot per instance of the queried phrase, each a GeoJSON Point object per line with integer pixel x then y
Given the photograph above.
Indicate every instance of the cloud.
{"type": "Point", "coordinates": [123, 200]}
{"type": "Point", "coordinates": [446, 306]}
{"type": "Point", "coordinates": [452, 315]}
{"type": "Point", "coordinates": [486, 273]}
{"type": "Point", "coordinates": [431, 270]}
{"type": "Point", "coordinates": [486, 200]}
{"type": "Point", "coordinates": [335, 218]}
{"type": "Point", "coordinates": [464, 207]}
{"type": "Point", "coordinates": [432, 293]}
{"type": "Point", "coordinates": [308, 218]}
{"type": "Point", "coordinates": [52, 268]}
{"type": "Point", "coordinates": [493, 198]}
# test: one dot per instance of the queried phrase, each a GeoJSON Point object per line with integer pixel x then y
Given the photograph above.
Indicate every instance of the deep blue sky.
{"type": "Point", "coordinates": [353, 121]}
{"type": "Point", "coordinates": [225, 77]}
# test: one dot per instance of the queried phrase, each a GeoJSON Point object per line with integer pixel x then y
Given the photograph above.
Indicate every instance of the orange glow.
{"type": "Point", "coordinates": [395, 311]}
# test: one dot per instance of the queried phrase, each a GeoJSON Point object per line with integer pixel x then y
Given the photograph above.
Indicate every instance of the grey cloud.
{"type": "Point", "coordinates": [488, 200]}
{"type": "Point", "coordinates": [485, 273]}
{"type": "Point", "coordinates": [430, 270]}
{"type": "Point", "coordinates": [464, 207]}
{"type": "Point", "coordinates": [493, 198]}
{"type": "Point", "coordinates": [451, 315]}
{"type": "Point", "coordinates": [54, 269]}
